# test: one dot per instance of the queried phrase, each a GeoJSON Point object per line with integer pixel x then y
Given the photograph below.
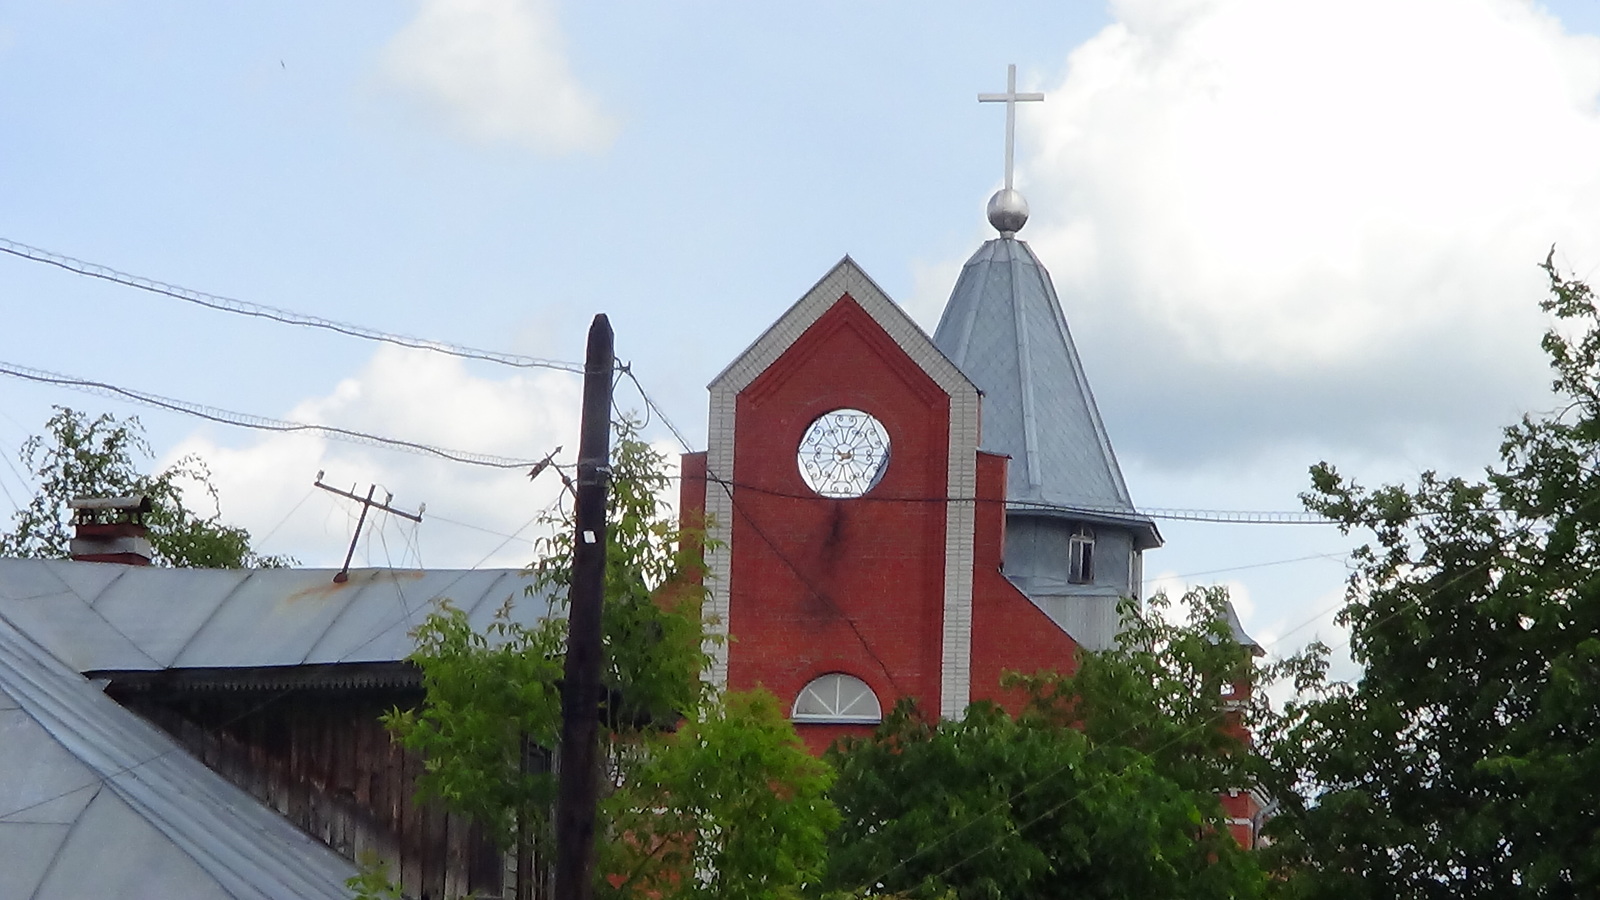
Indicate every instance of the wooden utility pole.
{"type": "Point", "coordinates": [580, 692]}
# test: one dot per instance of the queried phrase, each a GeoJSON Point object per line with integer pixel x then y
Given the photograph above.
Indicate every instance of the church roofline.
{"type": "Point", "coordinates": [1004, 326]}
{"type": "Point", "coordinates": [846, 277]}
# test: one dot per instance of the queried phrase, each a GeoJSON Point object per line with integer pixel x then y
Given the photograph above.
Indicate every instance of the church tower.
{"type": "Point", "coordinates": [1074, 541]}
{"type": "Point", "coordinates": [892, 515]}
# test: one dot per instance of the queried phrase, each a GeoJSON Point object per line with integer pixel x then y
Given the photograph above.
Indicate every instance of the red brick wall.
{"type": "Point", "coordinates": [857, 586]}
{"type": "Point", "coordinates": [1009, 633]}
{"type": "Point", "coordinates": [820, 585]}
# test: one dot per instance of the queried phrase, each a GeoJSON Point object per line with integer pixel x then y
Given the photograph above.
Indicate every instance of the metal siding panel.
{"type": "Point", "coordinates": [272, 620]}
{"type": "Point", "coordinates": [41, 782]}
{"type": "Point", "coordinates": [161, 609]}
{"type": "Point", "coordinates": [23, 578]}
{"type": "Point", "coordinates": [488, 594]}
{"type": "Point", "coordinates": [114, 854]}
{"type": "Point", "coordinates": [26, 852]}
{"type": "Point", "coordinates": [73, 631]}
{"type": "Point", "coordinates": [237, 841]}
{"type": "Point", "coordinates": [86, 579]}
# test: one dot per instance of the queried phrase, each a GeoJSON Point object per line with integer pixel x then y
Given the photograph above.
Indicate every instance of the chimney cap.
{"type": "Point", "coordinates": [139, 503]}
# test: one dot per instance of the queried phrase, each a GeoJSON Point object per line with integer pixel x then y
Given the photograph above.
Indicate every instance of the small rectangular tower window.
{"type": "Point", "coordinates": [1080, 557]}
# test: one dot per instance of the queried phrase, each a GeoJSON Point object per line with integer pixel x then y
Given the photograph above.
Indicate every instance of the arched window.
{"type": "Point", "coordinates": [840, 698]}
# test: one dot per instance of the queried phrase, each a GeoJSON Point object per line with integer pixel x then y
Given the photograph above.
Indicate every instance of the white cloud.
{"type": "Point", "coordinates": [1275, 223]}
{"type": "Point", "coordinates": [416, 396]}
{"type": "Point", "coordinates": [497, 71]}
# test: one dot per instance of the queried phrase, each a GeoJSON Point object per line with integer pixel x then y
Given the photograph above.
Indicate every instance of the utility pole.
{"type": "Point", "coordinates": [579, 787]}
{"type": "Point", "coordinates": [366, 503]}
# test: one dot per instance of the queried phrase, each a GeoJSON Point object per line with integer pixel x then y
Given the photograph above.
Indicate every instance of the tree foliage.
{"type": "Point", "coordinates": [1465, 762]}
{"type": "Point", "coordinates": [79, 456]}
{"type": "Point", "coordinates": [731, 805]}
{"type": "Point", "coordinates": [1104, 785]}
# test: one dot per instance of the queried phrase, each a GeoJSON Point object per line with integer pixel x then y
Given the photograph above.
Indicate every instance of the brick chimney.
{"type": "Point", "coordinates": [111, 529]}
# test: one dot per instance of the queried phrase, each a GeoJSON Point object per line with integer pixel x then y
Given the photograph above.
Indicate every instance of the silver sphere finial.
{"type": "Point", "coordinates": [1008, 212]}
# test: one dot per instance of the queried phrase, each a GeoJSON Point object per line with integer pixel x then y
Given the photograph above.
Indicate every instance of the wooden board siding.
{"type": "Point", "coordinates": [321, 757]}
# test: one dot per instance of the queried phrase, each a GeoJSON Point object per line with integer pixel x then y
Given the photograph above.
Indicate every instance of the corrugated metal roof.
{"type": "Point", "coordinates": [1005, 329]}
{"type": "Point", "coordinates": [95, 802]}
{"type": "Point", "coordinates": [103, 616]}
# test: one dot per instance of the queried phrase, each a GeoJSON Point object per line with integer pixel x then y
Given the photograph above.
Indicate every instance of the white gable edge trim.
{"type": "Point", "coordinates": [961, 480]}
{"type": "Point", "coordinates": [846, 277]}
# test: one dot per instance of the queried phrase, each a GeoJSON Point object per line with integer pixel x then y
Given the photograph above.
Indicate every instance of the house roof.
{"type": "Point", "coordinates": [96, 802]}
{"type": "Point", "coordinates": [107, 617]}
{"type": "Point", "coordinates": [1004, 328]}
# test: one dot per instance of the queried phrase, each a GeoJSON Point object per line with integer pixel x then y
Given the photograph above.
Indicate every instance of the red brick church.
{"type": "Point", "coordinates": [896, 514]}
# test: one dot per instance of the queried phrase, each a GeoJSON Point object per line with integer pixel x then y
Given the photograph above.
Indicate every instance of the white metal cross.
{"type": "Point", "coordinates": [1010, 98]}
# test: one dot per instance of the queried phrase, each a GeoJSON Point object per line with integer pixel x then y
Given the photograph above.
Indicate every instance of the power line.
{"type": "Point", "coordinates": [1260, 565]}
{"type": "Point", "coordinates": [287, 317]}
{"type": "Point", "coordinates": [1220, 516]}
{"type": "Point", "coordinates": [259, 423]}
{"type": "Point", "coordinates": [1231, 517]}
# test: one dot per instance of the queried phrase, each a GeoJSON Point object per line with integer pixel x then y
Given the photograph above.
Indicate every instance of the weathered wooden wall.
{"type": "Point", "coordinates": [321, 757]}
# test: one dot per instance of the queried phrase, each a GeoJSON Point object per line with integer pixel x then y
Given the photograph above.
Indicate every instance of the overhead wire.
{"type": "Point", "coordinates": [772, 545]}
{"type": "Point", "coordinates": [287, 317]}
{"type": "Point", "coordinates": [292, 510]}
{"type": "Point", "coordinates": [1260, 565]}
{"type": "Point", "coordinates": [259, 423]}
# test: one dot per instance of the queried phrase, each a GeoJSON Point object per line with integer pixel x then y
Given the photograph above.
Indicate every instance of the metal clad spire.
{"type": "Point", "coordinates": [1007, 210]}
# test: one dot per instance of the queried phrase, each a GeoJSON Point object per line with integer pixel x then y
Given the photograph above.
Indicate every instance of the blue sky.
{"type": "Point", "coordinates": [1283, 231]}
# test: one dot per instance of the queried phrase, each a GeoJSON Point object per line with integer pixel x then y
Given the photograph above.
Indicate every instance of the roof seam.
{"type": "Point", "coordinates": [1030, 424]}
{"type": "Point", "coordinates": [205, 623]}
{"type": "Point", "coordinates": [333, 622]}
{"type": "Point", "coordinates": [71, 828]}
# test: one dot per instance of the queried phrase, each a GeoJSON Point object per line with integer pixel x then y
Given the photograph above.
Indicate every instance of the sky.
{"type": "Point", "coordinates": [1283, 231]}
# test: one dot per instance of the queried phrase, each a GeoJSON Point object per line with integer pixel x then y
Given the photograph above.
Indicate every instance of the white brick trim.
{"type": "Point", "coordinates": [719, 532]}
{"type": "Point", "coordinates": [955, 683]}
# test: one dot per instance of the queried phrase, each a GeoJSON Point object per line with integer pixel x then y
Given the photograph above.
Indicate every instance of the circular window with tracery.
{"type": "Point", "coordinates": [838, 698]}
{"type": "Point", "coordinates": [844, 453]}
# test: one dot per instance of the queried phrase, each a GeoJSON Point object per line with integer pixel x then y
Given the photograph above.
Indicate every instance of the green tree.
{"type": "Point", "coordinates": [1104, 785]}
{"type": "Point", "coordinates": [82, 457]}
{"type": "Point", "coordinates": [729, 806]}
{"type": "Point", "coordinates": [1465, 761]}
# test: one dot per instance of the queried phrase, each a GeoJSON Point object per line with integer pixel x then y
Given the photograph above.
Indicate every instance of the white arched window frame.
{"type": "Point", "coordinates": [837, 698]}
